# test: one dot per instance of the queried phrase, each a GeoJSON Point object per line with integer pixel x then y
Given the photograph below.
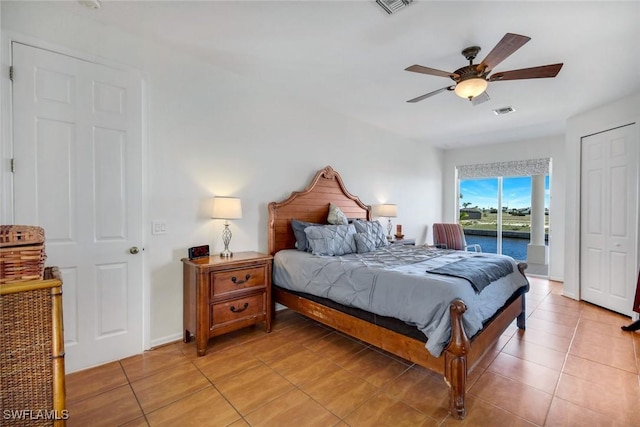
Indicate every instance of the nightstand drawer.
{"type": "Point", "coordinates": [237, 309]}
{"type": "Point", "coordinates": [228, 281]}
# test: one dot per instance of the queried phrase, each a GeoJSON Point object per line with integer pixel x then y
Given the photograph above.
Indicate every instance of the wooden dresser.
{"type": "Point", "coordinates": [221, 295]}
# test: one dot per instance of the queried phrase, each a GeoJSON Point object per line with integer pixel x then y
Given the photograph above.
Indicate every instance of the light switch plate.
{"type": "Point", "coordinates": [159, 227]}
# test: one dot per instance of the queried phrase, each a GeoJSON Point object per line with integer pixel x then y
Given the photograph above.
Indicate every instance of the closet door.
{"type": "Point", "coordinates": [609, 218]}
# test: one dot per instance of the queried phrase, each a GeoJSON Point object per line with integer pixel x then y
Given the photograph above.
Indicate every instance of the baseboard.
{"type": "Point", "coordinates": [165, 340]}
{"type": "Point", "coordinates": [157, 342]}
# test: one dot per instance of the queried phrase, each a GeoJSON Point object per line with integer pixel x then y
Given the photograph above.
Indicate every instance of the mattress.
{"type": "Point", "coordinates": [394, 282]}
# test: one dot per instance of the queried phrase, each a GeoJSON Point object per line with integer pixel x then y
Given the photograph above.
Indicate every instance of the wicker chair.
{"type": "Point", "coordinates": [451, 236]}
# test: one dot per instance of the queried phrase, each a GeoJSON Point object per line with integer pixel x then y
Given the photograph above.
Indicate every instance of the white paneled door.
{"type": "Point", "coordinates": [609, 218]}
{"type": "Point", "coordinates": [78, 173]}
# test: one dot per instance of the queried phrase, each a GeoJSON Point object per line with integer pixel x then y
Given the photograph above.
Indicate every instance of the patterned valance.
{"type": "Point", "coordinates": [513, 168]}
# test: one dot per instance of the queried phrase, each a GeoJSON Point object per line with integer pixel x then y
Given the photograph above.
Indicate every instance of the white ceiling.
{"type": "Point", "coordinates": [350, 56]}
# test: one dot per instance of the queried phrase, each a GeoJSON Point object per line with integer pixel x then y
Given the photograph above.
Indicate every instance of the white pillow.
{"type": "Point", "coordinates": [336, 216]}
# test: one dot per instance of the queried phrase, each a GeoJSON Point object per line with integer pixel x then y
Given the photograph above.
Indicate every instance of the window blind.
{"type": "Point", "coordinates": [512, 168]}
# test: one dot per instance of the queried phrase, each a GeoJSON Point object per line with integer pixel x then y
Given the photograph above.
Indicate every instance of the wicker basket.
{"type": "Point", "coordinates": [22, 253]}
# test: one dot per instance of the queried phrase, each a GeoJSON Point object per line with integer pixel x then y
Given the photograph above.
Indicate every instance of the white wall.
{"type": "Point", "coordinates": [619, 113]}
{"type": "Point", "coordinates": [212, 132]}
{"type": "Point", "coordinates": [552, 147]}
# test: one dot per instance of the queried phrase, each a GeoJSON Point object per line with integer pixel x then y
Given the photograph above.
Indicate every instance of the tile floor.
{"type": "Point", "coordinates": [572, 367]}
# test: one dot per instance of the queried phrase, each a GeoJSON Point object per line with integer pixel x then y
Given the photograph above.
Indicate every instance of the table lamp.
{"type": "Point", "coordinates": [226, 208]}
{"type": "Point", "coordinates": [389, 211]}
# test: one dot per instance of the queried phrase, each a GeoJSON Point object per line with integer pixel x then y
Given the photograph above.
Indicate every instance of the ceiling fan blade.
{"type": "Point", "coordinates": [527, 73]}
{"type": "Point", "coordinates": [505, 47]}
{"type": "Point", "coordinates": [431, 71]}
{"type": "Point", "coordinates": [435, 92]}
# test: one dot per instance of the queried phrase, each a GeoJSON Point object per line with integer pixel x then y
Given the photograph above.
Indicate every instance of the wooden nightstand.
{"type": "Point", "coordinates": [221, 295]}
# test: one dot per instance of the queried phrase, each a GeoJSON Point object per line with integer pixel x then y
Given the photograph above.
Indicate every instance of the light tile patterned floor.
{"type": "Point", "coordinates": [573, 366]}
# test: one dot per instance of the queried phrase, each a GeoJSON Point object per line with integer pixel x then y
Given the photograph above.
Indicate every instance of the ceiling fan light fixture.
{"type": "Point", "coordinates": [471, 87]}
{"type": "Point", "coordinates": [472, 80]}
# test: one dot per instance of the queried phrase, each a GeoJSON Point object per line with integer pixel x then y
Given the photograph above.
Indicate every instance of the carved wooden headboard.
{"type": "Point", "coordinates": [312, 205]}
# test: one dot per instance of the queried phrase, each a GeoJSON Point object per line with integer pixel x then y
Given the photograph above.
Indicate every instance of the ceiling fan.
{"type": "Point", "coordinates": [472, 80]}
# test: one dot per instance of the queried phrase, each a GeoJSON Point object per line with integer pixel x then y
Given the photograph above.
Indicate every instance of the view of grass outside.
{"type": "Point", "coordinates": [489, 221]}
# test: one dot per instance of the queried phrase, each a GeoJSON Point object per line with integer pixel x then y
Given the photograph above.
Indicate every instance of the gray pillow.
{"type": "Point", "coordinates": [336, 216]}
{"type": "Point", "coordinates": [298, 227]}
{"type": "Point", "coordinates": [374, 229]}
{"type": "Point", "coordinates": [364, 243]}
{"type": "Point", "coordinates": [331, 239]}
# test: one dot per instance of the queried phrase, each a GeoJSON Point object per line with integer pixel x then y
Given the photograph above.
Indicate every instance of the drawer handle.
{"type": "Point", "coordinates": [238, 310]}
{"type": "Point", "coordinates": [235, 280]}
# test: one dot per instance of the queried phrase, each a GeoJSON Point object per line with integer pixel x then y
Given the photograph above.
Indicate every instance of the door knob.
{"type": "Point", "coordinates": [134, 250]}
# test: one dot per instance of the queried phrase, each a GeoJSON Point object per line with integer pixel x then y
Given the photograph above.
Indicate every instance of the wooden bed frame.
{"type": "Point", "coordinates": [461, 354]}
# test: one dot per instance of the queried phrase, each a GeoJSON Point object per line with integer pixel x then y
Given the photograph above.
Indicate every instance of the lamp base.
{"type": "Point", "coordinates": [226, 238]}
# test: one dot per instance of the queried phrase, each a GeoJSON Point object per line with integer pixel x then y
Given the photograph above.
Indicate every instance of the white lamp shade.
{"type": "Point", "coordinates": [388, 210]}
{"type": "Point", "coordinates": [227, 208]}
{"type": "Point", "coordinates": [470, 88]}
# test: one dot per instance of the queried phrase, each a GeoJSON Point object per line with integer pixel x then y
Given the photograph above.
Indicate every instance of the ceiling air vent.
{"type": "Point", "coordinates": [392, 6]}
{"type": "Point", "coordinates": [505, 110]}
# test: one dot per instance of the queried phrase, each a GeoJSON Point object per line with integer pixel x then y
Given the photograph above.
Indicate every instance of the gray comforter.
{"type": "Point", "coordinates": [393, 281]}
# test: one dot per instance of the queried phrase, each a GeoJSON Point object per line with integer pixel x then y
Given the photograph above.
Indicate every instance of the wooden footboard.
{"type": "Point", "coordinates": [462, 354]}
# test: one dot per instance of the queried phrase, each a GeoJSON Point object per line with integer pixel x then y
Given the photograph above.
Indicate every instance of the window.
{"type": "Point", "coordinates": [496, 211]}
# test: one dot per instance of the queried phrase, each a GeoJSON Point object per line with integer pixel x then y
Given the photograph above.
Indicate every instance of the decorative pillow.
{"type": "Point", "coordinates": [336, 216]}
{"type": "Point", "coordinates": [302, 244]}
{"type": "Point", "coordinates": [364, 243]}
{"type": "Point", "coordinates": [374, 229]}
{"type": "Point", "coordinates": [331, 239]}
